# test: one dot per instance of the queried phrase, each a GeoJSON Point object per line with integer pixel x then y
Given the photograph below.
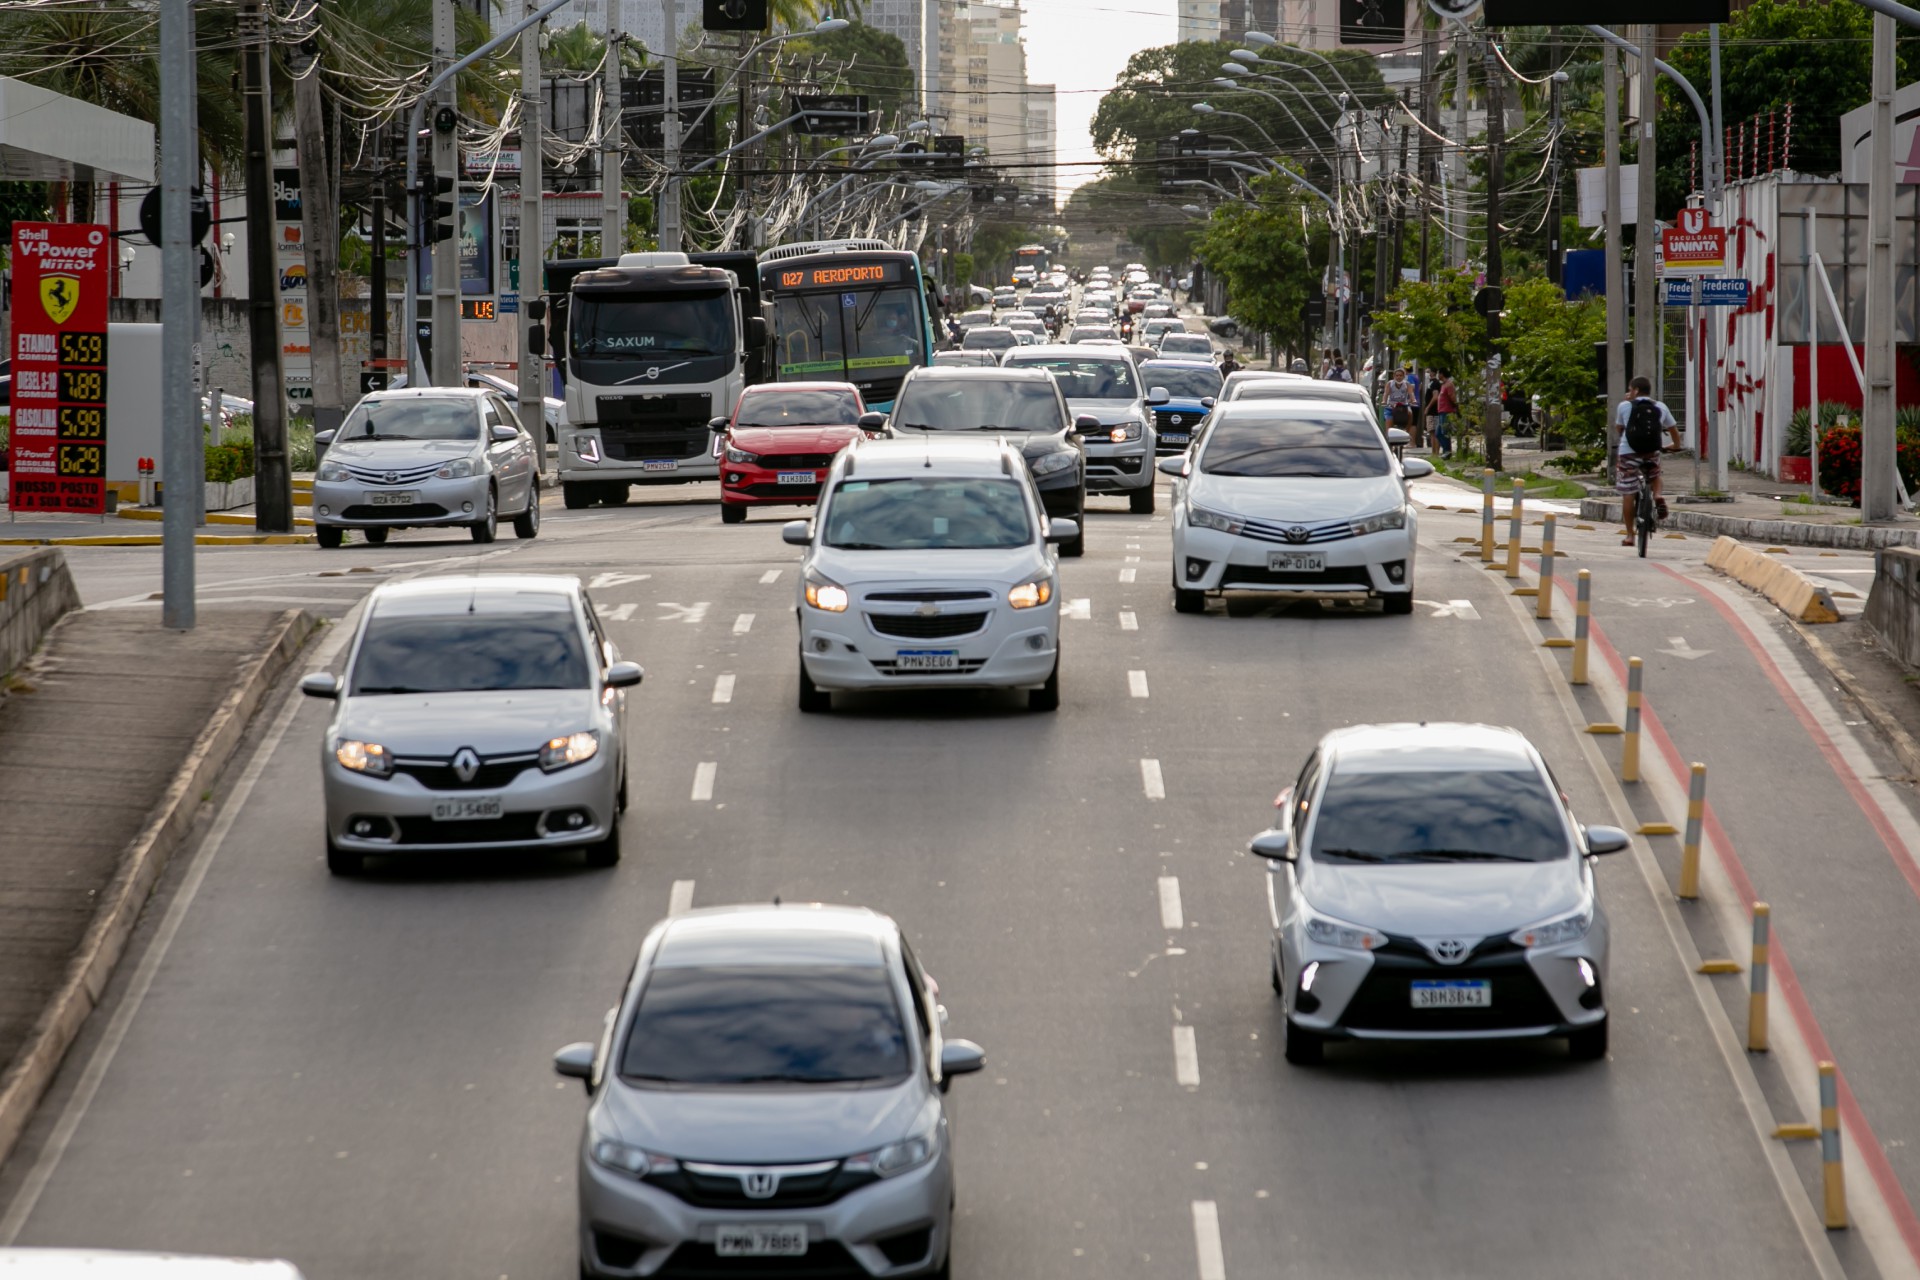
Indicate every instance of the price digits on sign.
{"type": "Point", "coordinates": [84, 460]}
{"type": "Point", "coordinates": [83, 386]}
{"type": "Point", "coordinates": [83, 348]}
{"type": "Point", "coordinates": [81, 423]}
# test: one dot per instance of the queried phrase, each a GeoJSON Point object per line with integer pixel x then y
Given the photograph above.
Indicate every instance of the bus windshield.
{"type": "Point", "coordinates": [862, 333]}
{"type": "Point", "coordinates": [612, 327]}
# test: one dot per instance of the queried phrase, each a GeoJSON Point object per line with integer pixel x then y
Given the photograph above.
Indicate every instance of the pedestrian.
{"type": "Point", "coordinates": [1445, 406]}
{"type": "Point", "coordinates": [1339, 371]}
{"type": "Point", "coordinates": [1326, 362]}
{"type": "Point", "coordinates": [1399, 399]}
{"type": "Point", "coordinates": [1642, 421]}
{"type": "Point", "coordinates": [1228, 365]}
{"type": "Point", "coordinates": [1298, 366]}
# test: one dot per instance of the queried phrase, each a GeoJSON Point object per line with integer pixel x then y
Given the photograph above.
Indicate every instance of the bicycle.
{"type": "Point", "coordinates": [1646, 510]}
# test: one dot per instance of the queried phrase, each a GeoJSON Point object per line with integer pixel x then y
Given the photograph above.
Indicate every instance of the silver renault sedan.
{"type": "Point", "coordinates": [477, 712]}
{"type": "Point", "coordinates": [426, 458]}
{"type": "Point", "coordinates": [768, 1098]}
{"type": "Point", "coordinates": [1428, 882]}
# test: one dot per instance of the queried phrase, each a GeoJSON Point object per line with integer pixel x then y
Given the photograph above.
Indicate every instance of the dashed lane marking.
{"type": "Point", "coordinates": [743, 624]}
{"type": "Point", "coordinates": [1137, 683]}
{"type": "Point", "coordinates": [1080, 609]}
{"type": "Point", "coordinates": [771, 575]}
{"type": "Point", "coordinates": [1128, 621]}
{"type": "Point", "coordinates": [1150, 780]}
{"type": "Point", "coordinates": [1186, 1057]}
{"type": "Point", "coordinates": [680, 901]}
{"type": "Point", "coordinates": [1171, 917]}
{"type": "Point", "coordinates": [1127, 574]}
{"type": "Point", "coordinates": [723, 688]}
{"type": "Point", "coordinates": [703, 779]}
{"type": "Point", "coordinates": [1206, 1240]}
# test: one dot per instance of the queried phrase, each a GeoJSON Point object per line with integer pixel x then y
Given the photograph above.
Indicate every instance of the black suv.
{"type": "Point", "coordinates": [1024, 405]}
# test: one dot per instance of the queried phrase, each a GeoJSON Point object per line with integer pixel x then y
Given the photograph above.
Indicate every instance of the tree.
{"type": "Point", "coordinates": [859, 59]}
{"type": "Point", "coordinates": [1549, 353]}
{"type": "Point", "coordinates": [1435, 325]}
{"type": "Point", "coordinates": [1260, 250]}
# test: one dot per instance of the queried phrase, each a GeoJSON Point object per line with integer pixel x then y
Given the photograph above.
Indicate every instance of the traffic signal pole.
{"type": "Point", "coordinates": [445, 274]}
{"type": "Point", "coordinates": [180, 417]}
{"type": "Point", "coordinates": [533, 235]}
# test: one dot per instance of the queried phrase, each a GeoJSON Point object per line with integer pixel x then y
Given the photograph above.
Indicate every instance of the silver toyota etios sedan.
{"type": "Point", "coordinates": [475, 713]}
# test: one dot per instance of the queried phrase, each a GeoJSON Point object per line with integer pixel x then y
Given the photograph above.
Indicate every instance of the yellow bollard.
{"type": "Point", "coordinates": [1582, 609]}
{"type": "Point", "coordinates": [1543, 605]}
{"type": "Point", "coordinates": [1833, 1176]}
{"type": "Point", "coordinates": [1630, 749]}
{"type": "Point", "coordinates": [1690, 844]}
{"type": "Point", "coordinates": [1513, 529]}
{"type": "Point", "coordinates": [1486, 516]}
{"type": "Point", "coordinates": [1757, 986]}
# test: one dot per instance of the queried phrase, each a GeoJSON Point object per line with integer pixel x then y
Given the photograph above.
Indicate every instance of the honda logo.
{"type": "Point", "coordinates": [759, 1186]}
{"type": "Point", "coordinates": [466, 764]}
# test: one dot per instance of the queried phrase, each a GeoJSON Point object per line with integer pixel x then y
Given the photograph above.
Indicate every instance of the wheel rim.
{"type": "Point", "coordinates": [493, 517]}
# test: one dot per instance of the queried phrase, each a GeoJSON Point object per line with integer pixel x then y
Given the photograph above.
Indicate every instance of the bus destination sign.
{"type": "Point", "coordinates": [838, 274]}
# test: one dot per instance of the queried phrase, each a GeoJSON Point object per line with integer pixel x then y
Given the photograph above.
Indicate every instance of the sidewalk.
{"type": "Point", "coordinates": [109, 738]}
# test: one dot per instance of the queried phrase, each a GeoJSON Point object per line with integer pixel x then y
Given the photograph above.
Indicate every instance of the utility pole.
{"type": "Point", "coordinates": [1646, 232]}
{"type": "Point", "coordinates": [377, 275]}
{"type": "Point", "coordinates": [533, 235]}
{"type": "Point", "coordinates": [1556, 261]}
{"type": "Point", "coordinates": [446, 255]}
{"type": "Point", "coordinates": [1430, 117]}
{"type": "Point", "coordinates": [1877, 475]}
{"type": "Point", "coordinates": [273, 482]}
{"type": "Point", "coordinates": [1457, 162]}
{"type": "Point", "coordinates": [1616, 275]}
{"type": "Point", "coordinates": [1717, 183]}
{"type": "Point", "coordinates": [670, 132]}
{"type": "Point", "coordinates": [742, 128]}
{"type": "Point", "coordinates": [180, 416]}
{"type": "Point", "coordinates": [320, 233]}
{"type": "Point", "coordinates": [1496, 162]}
{"type": "Point", "coordinates": [613, 150]}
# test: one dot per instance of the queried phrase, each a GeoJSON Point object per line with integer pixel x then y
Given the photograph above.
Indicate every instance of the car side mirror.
{"type": "Point", "coordinates": [1206, 402]}
{"type": "Point", "coordinates": [1397, 436]}
{"type": "Point", "coordinates": [1085, 422]}
{"type": "Point", "coordinates": [575, 1061]}
{"type": "Point", "coordinates": [1173, 466]}
{"type": "Point", "coordinates": [624, 675]}
{"type": "Point", "coordinates": [797, 533]}
{"type": "Point", "coordinates": [1605, 839]}
{"type": "Point", "coordinates": [536, 335]}
{"type": "Point", "coordinates": [320, 684]}
{"type": "Point", "coordinates": [1062, 530]}
{"type": "Point", "coordinates": [1273, 844]}
{"type": "Point", "coordinates": [323, 437]}
{"type": "Point", "coordinates": [717, 424]}
{"type": "Point", "coordinates": [960, 1058]}
{"type": "Point", "coordinates": [756, 331]}
{"type": "Point", "coordinates": [1415, 468]}
{"type": "Point", "coordinates": [501, 434]}
{"type": "Point", "coordinates": [1157, 395]}
{"type": "Point", "coordinates": [872, 422]}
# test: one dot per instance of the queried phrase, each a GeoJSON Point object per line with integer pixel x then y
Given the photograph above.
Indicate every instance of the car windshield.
{"type": "Point", "coordinates": [1182, 381]}
{"type": "Point", "coordinates": [412, 418]}
{"type": "Point", "coordinates": [761, 1024]}
{"type": "Point", "coordinates": [1439, 815]}
{"type": "Point", "coordinates": [1185, 342]}
{"type": "Point", "coordinates": [978, 404]}
{"type": "Point", "coordinates": [1287, 389]}
{"type": "Point", "coordinates": [1085, 378]}
{"type": "Point", "coordinates": [470, 652]}
{"type": "Point", "coordinates": [988, 339]}
{"type": "Point", "coordinates": [608, 326]}
{"type": "Point", "coordinates": [798, 409]}
{"type": "Point", "coordinates": [912, 513]}
{"type": "Point", "coordinates": [1258, 445]}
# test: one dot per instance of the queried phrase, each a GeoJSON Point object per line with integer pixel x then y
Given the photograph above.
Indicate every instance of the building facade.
{"type": "Point", "coordinates": [1198, 20]}
{"type": "Point", "coordinates": [916, 24]}
{"type": "Point", "coordinates": [1042, 116]}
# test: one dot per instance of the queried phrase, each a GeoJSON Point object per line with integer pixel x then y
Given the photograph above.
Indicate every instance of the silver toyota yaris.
{"type": "Point", "coordinates": [768, 1098]}
{"type": "Point", "coordinates": [477, 712]}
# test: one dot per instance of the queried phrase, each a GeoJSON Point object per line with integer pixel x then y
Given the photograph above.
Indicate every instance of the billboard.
{"type": "Point", "coordinates": [57, 443]}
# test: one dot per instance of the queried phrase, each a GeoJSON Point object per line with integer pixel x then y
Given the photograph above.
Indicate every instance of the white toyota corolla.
{"type": "Point", "coordinates": [1297, 497]}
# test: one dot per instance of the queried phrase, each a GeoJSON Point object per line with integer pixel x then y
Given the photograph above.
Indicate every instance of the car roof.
{"type": "Point", "coordinates": [479, 592]}
{"type": "Point", "coordinates": [763, 388]}
{"type": "Point", "coordinates": [1274, 392]}
{"type": "Point", "coordinates": [996, 373]}
{"type": "Point", "coordinates": [1178, 362]}
{"type": "Point", "coordinates": [1066, 351]}
{"type": "Point", "coordinates": [1429, 747]}
{"type": "Point", "coordinates": [429, 393]}
{"type": "Point", "coordinates": [774, 934]}
{"type": "Point", "coordinates": [1294, 407]}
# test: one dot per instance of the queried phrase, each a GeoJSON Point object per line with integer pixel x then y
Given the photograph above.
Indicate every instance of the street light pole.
{"type": "Point", "coordinates": [180, 417]}
{"type": "Point", "coordinates": [533, 236]}
{"type": "Point", "coordinates": [670, 236]}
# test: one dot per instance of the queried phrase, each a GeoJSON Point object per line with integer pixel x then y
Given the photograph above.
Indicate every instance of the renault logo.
{"type": "Point", "coordinates": [466, 764]}
{"type": "Point", "coordinates": [759, 1186]}
{"type": "Point", "coordinates": [1298, 533]}
{"type": "Point", "coordinates": [1450, 950]}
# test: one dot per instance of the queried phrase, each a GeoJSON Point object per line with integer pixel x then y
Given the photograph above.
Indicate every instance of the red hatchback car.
{"type": "Point", "coordinates": [782, 438]}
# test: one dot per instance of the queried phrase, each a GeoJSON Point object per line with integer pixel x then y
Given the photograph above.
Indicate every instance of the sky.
{"type": "Point", "coordinates": [1082, 46]}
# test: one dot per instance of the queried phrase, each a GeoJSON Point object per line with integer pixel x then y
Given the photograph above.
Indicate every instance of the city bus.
{"type": "Point", "coordinates": [1034, 256]}
{"type": "Point", "coordinates": [846, 310]}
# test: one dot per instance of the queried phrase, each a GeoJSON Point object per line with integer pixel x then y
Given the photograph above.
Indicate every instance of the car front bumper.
{"type": "Point", "coordinates": [618, 1213]}
{"type": "Point", "coordinates": [759, 484]}
{"type": "Point", "coordinates": [1014, 649]}
{"type": "Point", "coordinates": [351, 503]}
{"type": "Point", "coordinates": [535, 809]}
{"type": "Point", "coordinates": [1373, 564]}
{"type": "Point", "coordinates": [1119, 468]}
{"type": "Point", "coordinates": [586, 458]}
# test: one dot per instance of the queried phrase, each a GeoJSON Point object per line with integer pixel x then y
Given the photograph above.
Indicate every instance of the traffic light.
{"type": "Point", "coordinates": [438, 221]}
{"type": "Point", "coordinates": [734, 15]}
{"type": "Point", "coordinates": [1373, 21]}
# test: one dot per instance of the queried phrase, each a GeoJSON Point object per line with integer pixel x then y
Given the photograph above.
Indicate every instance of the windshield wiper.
{"type": "Point", "coordinates": [390, 688]}
{"type": "Point", "coordinates": [1357, 855]}
{"type": "Point", "coordinates": [1474, 855]}
{"type": "Point", "coordinates": [922, 426]}
{"type": "Point", "coordinates": [859, 546]}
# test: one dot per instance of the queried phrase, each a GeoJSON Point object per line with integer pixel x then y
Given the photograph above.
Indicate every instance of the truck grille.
{"type": "Point", "coordinates": [627, 444]}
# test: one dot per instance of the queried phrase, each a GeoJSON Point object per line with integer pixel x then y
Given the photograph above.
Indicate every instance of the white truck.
{"type": "Point", "coordinates": [650, 349]}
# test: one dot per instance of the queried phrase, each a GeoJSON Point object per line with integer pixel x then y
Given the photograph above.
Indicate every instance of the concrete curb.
{"type": "Point", "coordinates": [1903, 743]}
{"type": "Point", "coordinates": [121, 903]}
{"type": "Point", "coordinates": [153, 514]}
{"type": "Point", "coordinates": [1796, 533]}
{"type": "Point", "coordinates": [1791, 591]}
{"type": "Point", "coordinates": [154, 540]}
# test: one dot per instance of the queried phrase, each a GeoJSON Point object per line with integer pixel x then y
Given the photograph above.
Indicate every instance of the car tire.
{"type": "Point", "coordinates": [1399, 604]}
{"type": "Point", "coordinates": [615, 493]}
{"type": "Point", "coordinates": [578, 497]}
{"type": "Point", "coordinates": [1589, 1044]}
{"type": "Point", "coordinates": [376, 536]}
{"type": "Point", "coordinates": [487, 527]}
{"type": "Point", "coordinates": [1141, 501]}
{"type": "Point", "coordinates": [605, 853]}
{"type": "Point", "coordinates": [620, 797]}
{"type": "Point", "coordinates": [732, 514]}
{"type": "Point", "coordinates": [527, 523]}
{"type": "Point", "coordinates": [344, 862]}
{"type": "Point", "coordinates": [813, 699]}
{"type": "Point", "coordinates": [328, 536]}
{"type": "Point", "coordinates": [1078, 547]}
{"type": "Point", "coordinates": [1188, 601]}
{"type": "Point", "coordinates": [1273, 974]}
{"type": "Point", "coordinates": [1047, 696]}
{"type": "Point", "coordinates": [1303, 1048]}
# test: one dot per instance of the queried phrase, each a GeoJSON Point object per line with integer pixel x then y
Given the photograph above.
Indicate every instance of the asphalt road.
{"type": "Point", "coordinates": [355, 1074]}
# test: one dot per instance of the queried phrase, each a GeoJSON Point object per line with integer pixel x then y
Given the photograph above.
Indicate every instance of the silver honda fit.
{"type": "Point", "coordinates": [768, 1094]}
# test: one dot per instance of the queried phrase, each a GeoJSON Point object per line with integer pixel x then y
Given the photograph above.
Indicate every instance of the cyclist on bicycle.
{"type": "Point", "coordinates": [1642, 421]}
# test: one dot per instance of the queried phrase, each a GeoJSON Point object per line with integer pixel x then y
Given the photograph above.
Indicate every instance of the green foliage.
{"type": "Point", "coordinates": [1548, 345]}
{"type": "Point", "coordinates": [1799, 443]}
{"type": "Point", "coordinates": [962, 272]}
{"type": "Point", "coordinates": [1435, 324]}
{"type": "Point", "coordinates": [300, 450]}
{"type": "Point", "coordinates": [1260, 250]}
{"type": "Point", "coordinates": [230, 457]}
{"type": "Point", "coordinates": [859, 59]}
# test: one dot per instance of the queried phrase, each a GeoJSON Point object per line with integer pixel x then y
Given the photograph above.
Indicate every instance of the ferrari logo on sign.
{"type": "Point", "coordinates": [59, 295]}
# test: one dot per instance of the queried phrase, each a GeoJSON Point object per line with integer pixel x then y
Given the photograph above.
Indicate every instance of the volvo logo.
{"type": "Point", "coordinates": [466, 764]}
{"type": "Point", "coordinates": [1298, 533]}
{"type": "Point", "coordinates": [1450, 950]}
{"type": "Point", "coordinates": [759, 1186]}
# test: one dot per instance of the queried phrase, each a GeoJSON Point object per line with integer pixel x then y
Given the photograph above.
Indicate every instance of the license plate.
{"type": "Point", "coordinates": [756, 1240]}
{"type": "Point", "coordinates": [401, 498]}
{"type": "Point", "coordinates": [927, 660]}
{"type": "Point", "coordinates": [466, 808]}
{"type": "Point", "coordinates": [1174, 437]}
{"type": "Point", "coordinates": [1453, 993]}
{"type": "Point", "coordinates": [797, 477]}
{"type": "Point", "coordinates": [660, 464]}
{"type": "Point", "coordinates": [1297, 561]}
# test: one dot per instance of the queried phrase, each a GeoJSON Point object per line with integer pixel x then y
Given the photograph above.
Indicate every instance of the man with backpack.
{"type": "Point", "coordinates": [1642, 421]}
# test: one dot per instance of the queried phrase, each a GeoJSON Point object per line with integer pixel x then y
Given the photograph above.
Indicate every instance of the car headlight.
{"type": "Point", "coordinates": [586, 448]}
{"type": "Point", "coordinates": [1394, 519]}
{"type": "Point", "coordinates": [631, 1160]}
{"type": "Point", "coordinates": [1551, 933]}
{"type": "Point", "coordinates": [363, 757]}
{"type": "Point", "coordinates": [829, 597]}
{"type": "Point", "coordinates": [741, 456]}
{"type": "Point", "coordinates": [896, 1157]}
{"type": "Point", "coordinates": [1202, 518]}
{"type": "Point", "coordinates": [458, 469]}
{"type": "Point", "coordinates": [1048, 463]}
{"type": "Point", "coordinates": [1126, 431]}
{"type": "Point", "coordinates": [1329, 932]}
{"type": "Point", "coordinates": [1031, 595]}
{"type": "Point", "coordinates": [572, 748]}
{"type": "Point", "coordinates": [330, 472]}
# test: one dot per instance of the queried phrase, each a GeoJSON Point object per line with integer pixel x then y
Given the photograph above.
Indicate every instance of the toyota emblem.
{"type": "Point", "coordinates": [392, 477]}
{"type": "Point", "coordinates": [466, 764]}
{"type": "Point", "coordinates": [1298, 533]}
{"type": "Point", "coordinates": [1450, 950]}
{"type": "Point", "coordinates": [759, 1186]}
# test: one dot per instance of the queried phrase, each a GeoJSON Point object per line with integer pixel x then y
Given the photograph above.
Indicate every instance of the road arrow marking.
{"type": "Point", "coordinates": [1461, 609]}
{"type": "Point", "coordinates": [695, 613]}
{"type": "Point", "coordinates": [601, 580]}
{"type": "Point", "coordinates": [1682, 650]}
{"type": "Point", "coordinates": [1081, 609]}
{"type": "Point", "coordinates": [617, 613]}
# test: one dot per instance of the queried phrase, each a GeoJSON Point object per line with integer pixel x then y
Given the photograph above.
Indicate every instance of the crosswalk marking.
{"type": "Point", "coordinates": [743, 624]}
{"type": "Point", "coordinates": [771, 575]}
